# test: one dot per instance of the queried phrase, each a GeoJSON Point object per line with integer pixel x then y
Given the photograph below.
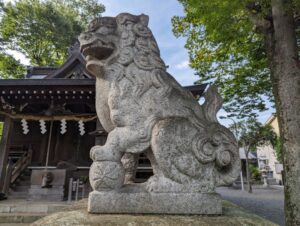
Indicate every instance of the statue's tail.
{"type": "Point", "coordinates": [219, 144]}
{"type": "Point", "coordinates": [228, 164]}
{"type": "Point", "coordinates": [213, 103]}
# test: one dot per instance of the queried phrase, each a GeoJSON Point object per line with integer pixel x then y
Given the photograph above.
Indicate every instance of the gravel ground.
{"type": "Point", "coordinates": [265, 202]}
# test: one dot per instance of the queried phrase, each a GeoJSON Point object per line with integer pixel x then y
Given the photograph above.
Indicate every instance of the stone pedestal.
{"type": "Point", "coordinates": [77, 215]}
{"type": "Point", "coordinates": [53, 193]}
{"type": "Point", "coordinates": [131, 200]}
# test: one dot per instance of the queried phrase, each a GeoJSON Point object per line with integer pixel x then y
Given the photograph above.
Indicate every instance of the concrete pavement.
{"type": "Point", "coordinates": [265, 202]}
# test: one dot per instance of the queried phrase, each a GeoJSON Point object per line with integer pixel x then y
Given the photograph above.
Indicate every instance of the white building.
{"type": "Point", "coordinates": [267, 158]}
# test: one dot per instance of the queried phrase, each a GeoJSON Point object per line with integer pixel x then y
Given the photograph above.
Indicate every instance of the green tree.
{"type": "Point", "coordinates": [221, 41]}
{"type": "Point", "coordinates": [255, 172]}
{"type": "Point", "coordinates": [250, 134]}
{"type": "Point", "coordinates": [10, 67]}
{"type": "Point", "coordinates": [42, 29]}
{"type": "Point", "coordinates": [249, 48]}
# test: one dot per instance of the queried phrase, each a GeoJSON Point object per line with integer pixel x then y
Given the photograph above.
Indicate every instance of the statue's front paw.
{"type": "Point", "coordinates": [102, 153]}
{"type": "Point", "coordinates": [93, 152]}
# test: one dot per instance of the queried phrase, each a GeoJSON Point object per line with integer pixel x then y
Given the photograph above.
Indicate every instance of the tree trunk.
{"type": "Point", "coordinates": [285, 70]}
{"type": "Point", "coordinates": [248, 175]}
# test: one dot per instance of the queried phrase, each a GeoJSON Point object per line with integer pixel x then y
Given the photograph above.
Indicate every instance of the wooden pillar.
{"type": "Point", "coordinates": [4, 148]}
{"type": "Point", "coordinates": [57, 146]}
{"type": "Point", "coordinates": [49, 144]}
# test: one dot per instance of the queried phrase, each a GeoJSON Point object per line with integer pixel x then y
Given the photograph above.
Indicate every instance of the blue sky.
{"type": "Point", "coordinates": [172, 49]}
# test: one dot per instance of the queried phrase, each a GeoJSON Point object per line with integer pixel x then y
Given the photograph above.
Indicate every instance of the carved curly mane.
{"type": "Point", "coordinates": [140, 56]}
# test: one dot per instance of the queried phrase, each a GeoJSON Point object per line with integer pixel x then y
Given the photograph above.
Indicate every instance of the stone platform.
{"type": "Point", "coordinates": [154, 203]}
{"type": "Point", "coordinates": [21, 212]}
{"type": "Point", "coordinates": [77, 215]}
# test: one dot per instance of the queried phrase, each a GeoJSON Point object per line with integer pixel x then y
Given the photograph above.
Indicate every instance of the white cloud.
{"type": "Point", "coordinates": [19, 56]}
{"type": "Point", "coordinates": [182, 65]}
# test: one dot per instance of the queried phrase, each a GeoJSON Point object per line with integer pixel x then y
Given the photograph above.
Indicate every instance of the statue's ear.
{"type": "Point", "coordinates": [144, 19]}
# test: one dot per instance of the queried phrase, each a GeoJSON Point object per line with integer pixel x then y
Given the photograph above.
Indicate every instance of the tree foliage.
{"type": "Point", "coordinates": [43, 30]}
{"type": "Point", "coordinates": [10, 67]}
{"type": "Point", "coordinates": [255, 173]}
{"type": "Point", "coordinates": [252, 133]}
{"type": "Point", "coordinates": [225, 47]}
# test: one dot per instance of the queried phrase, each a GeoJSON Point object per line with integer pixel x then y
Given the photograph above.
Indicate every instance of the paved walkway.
{"type": "Point", "coordinates": [267, 203]}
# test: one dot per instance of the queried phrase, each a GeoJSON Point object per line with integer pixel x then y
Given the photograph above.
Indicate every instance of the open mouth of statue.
{"type": "Point", "coordinates": [97, 50]}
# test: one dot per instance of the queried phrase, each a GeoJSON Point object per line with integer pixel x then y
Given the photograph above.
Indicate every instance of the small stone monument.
{"type": "Point", "coordinates": [144, 109]}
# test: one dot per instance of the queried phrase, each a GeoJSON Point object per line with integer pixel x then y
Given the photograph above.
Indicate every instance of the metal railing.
{"type": "Point", "coordinates": [77, 190]}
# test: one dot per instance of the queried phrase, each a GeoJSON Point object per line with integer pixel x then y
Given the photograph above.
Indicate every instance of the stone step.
{"type": "Point", "coordinates": [31, 208]}
{"type": "Point", "coordinates": [22, 212]}
{"type": "Point", "coordinates": [18, 195]}
{"type": "Point", "coordinates": [20, 217]}
{"type": "Point", "coordinates": [24, 181]}
{"type": "Point", "coordinates": [19, 182]}
{"type": "Point", "coordinates": [20, 188]}
{"type": "Point", "coordinates": [15, 224]}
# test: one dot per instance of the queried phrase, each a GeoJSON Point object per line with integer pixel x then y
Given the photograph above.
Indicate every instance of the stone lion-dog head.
{"type": "Point", "coordinates": [124, 39]}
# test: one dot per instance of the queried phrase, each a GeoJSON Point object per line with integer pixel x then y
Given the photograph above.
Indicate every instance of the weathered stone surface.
{"type": "Point", "coordinates": [15, 219]}
{"type": "Point", "coordinates": [151, 202]}
{"type": "Point", "coordinates": [232, 216]}
{"type": "Point", "coordinates": [130, 163]}
{"type": "Point", "coordinates": [144, 109]}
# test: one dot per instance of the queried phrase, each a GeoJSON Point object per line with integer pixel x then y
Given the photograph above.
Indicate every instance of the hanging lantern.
{"type": "Point", "coordinates": [81, 128]}
{"type": "Point", "coordinates": [63, 126]}
{"type": "Point", "coordinates": [24, 125]}
{"type": "Point", "coordinates": [43, 126]}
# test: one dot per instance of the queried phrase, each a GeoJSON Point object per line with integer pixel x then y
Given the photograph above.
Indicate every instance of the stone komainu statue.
{"type": "Point", "coordinates": [144, 109]}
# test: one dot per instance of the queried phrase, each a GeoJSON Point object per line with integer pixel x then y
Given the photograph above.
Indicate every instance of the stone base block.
{"type": "Point", "coordinates": [56, 193]}
{"type": "Point", "coordinates": [154, 203]}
